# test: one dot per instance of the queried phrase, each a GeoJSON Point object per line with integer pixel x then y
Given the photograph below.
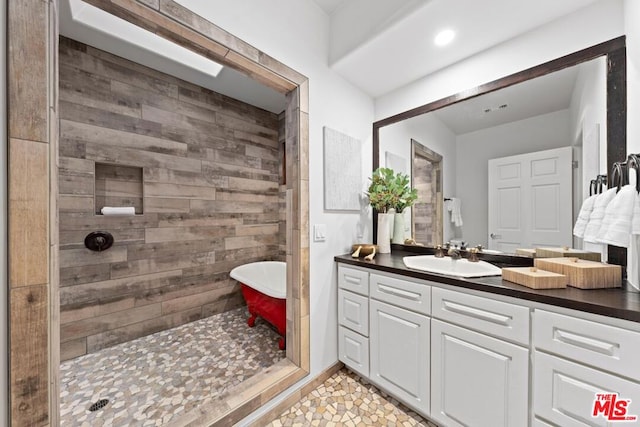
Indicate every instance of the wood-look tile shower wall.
{"type": "Point", "coordinates": [211, 171]}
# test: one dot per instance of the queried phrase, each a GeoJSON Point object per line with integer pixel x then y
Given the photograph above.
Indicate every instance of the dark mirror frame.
{"type": "Point", "coordinates": [614, 50]}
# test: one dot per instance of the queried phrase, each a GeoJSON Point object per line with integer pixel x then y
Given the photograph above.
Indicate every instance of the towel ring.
{"type": "Point", "coordinates": [601, 181]}
{"type": "Point", "coordinates": [618, 175]}
{"type": "Point", "coordinates": [593, 187]}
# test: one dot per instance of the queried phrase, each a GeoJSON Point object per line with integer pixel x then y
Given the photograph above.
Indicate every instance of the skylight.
{"type": "Point", "coordinates": [104, 22]}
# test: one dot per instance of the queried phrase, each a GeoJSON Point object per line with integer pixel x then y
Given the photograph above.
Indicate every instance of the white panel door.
{"type": "Point", "coordinates": [477, 381]}
{"type": "Point", "coordinates": [399, 354]}
{"type": "Point", "coordinates": [530, 202]}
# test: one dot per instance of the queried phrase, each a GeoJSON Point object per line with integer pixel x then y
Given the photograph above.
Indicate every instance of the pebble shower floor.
{"type": "Point", "coordinates": [153, 380]}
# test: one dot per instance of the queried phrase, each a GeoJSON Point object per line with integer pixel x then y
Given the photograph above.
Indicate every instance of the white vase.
{"type": "Point", "coordinates": [398, 228]}
{"type": "Point", "coordinates": [384, 237]}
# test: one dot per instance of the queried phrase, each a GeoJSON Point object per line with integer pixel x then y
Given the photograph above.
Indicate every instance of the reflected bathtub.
{"type": "Point", "coordinates": [264, 288]}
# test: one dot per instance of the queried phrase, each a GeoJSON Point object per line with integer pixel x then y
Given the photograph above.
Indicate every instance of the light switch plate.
{"type": "Point", "coordinates": [319, 232]}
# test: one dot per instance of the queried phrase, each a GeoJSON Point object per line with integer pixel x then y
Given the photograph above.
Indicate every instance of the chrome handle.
{"type": "Point", "coordinates": [495, 236]}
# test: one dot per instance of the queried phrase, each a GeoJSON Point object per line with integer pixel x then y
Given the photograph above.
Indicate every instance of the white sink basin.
{"type": "Point", "coordinates": [452, 267]}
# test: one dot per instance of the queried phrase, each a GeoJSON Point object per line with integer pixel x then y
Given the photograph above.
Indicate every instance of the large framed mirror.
{"type": "Point", "coordinates": [575, 104]}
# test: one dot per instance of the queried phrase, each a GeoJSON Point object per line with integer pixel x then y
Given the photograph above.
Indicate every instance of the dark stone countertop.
{"type": "Point", "coordinates": [622, 303]}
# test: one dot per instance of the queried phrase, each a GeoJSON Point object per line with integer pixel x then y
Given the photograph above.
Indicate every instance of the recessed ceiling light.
{"type": "Point", "coordinates": [444, 37]}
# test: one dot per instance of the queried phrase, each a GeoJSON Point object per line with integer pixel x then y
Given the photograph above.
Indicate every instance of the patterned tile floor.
{"type": "Point", "coordinates": [347, 400]}
{"type": "Point", "coordinates": [155, 379]}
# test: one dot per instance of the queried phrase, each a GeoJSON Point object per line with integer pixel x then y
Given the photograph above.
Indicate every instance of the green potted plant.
{"type": "Point", "coordinates": [390, 191]}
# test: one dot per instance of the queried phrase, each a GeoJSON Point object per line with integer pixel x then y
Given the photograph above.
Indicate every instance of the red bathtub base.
{"type": "Point", "coordinates": [273, 310]}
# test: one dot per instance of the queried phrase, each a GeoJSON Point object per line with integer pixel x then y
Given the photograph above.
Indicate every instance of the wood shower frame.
{"type": "Point", "coordinates": [32, 89]}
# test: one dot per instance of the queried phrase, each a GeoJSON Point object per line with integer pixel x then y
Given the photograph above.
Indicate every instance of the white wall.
{"type": "Point", "coordinates": [433, 134]}
{"type": "Point", "coordinates": [474, 150]}
{"type": "Point", "coordinates": [588, 109]}
{"type": "Point", "coordinates": [632, 17]}
{"type": "Point", "coordinates": [296, 32]}
{"type": "Point", "coordinates": [4, 384]}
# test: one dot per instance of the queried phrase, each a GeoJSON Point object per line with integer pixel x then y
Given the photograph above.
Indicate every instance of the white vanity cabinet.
{"type": "Point", "coordinates": [353, 319]}
{"type": "Point", "coordinates": [574, 360]}
{"type": "Point", "coordinates": [399, 339]}
{"type": "Point", "coordinates": [477, 379]}
{"type": "Point", "coordinates": [470, 358]}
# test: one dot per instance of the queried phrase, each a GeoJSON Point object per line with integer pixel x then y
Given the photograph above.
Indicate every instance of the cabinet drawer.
{"type": "Point", "coordinates": [402, 293]}
{"type": "Point", "coordinates": [353, 279]}
{"type": "Point", "coordinates": [353, 350]}
{"type": "Point", "coordinates": [606, 347]}
{"type": "Point", "coordinates": [496, 318]}
{"type": "Point", "coordinates": [564, 392]}
{"type": "Point", "coordinates": [353, 311]}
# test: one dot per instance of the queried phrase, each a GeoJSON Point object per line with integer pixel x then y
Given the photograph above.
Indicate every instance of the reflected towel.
{"type": "Point", "coordinates": [455, 207]}
{"type": "Point", "coordinates": [616, 223]}
{"type": "Point", "coordinates": [583, 216]}
{"type": "Point", "coordinates": [124, 210]}
{"type": "Point", "coordinates": [635, 221]}
{"type": "Point", "coordinates": [595, 219]}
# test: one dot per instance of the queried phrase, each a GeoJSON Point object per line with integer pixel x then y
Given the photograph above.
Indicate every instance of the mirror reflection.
{"type": "Point", "coordinates": [508, 169]}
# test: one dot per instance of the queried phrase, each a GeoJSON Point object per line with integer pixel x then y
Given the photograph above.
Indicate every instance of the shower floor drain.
{"type": "Point", "coordinates": [99, 405]}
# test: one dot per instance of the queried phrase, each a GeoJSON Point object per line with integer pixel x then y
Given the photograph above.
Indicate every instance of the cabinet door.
{"type": "Point", "coordinates": [477, 380]}
{"type": "Point", "coordinates": [353, 350]}
{"type": "Point", "coordinates": [399, 354]}
{"type": "Point", "coordinates": [353, 312]}
{"type": "Point", "coordinates": [564, 392]}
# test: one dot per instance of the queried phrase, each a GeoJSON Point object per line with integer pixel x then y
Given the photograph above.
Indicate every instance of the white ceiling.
{"type": "Point", "coordinates": [404, 51]}
{"type": "Point", "coordinates": [375, 47]}
{"type": "Point", "coordinates": [531, 98]}
{"type": "Point", "coordinates": [330, 5]}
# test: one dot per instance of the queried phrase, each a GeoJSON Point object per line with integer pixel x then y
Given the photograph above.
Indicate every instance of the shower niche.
{"type": "Point", "coordinates": [118, 186]}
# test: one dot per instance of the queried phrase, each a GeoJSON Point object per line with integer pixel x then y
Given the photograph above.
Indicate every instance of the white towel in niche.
{"type": "Point", "coordinates": [119, 210]}
{"type": "Point", "coordinates": [595, 219]}
{"type": "Point", "coordinates": [583, 216]}
{"type": "Point", "coordinates": [455, 207]}
{"type": "Point", "coordinates": [616, 223]}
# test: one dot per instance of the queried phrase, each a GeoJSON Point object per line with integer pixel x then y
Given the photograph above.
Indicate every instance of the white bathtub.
{"type": "Point", "coordinates": [268, 277]}
{"type": "Point", "coordinates": [264, 288]}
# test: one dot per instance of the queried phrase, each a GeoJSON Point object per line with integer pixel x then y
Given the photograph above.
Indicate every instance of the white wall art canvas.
{"type": "Point", "coordinates": [342, 171]}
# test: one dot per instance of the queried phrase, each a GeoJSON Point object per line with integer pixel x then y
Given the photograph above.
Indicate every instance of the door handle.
{"type": "Point", "coordinates": [495, 236]}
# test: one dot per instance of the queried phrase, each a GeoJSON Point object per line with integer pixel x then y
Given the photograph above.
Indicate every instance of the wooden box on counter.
{"type": "Point", "coordinates": [567, 252]}
{"type": "Point", "coordinates": [534, 278]}
{"type": "Point", "coordinates": [583, 274]}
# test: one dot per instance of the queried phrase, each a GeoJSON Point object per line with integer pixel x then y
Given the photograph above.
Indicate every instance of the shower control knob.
{"type": "Point", "coordinates": [98, 241]}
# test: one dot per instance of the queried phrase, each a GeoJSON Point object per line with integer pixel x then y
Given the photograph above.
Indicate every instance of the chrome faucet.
{"type": "Point", "coordinates": [439, 252]}
{"type": "Point", "coordinates": [454, 253]}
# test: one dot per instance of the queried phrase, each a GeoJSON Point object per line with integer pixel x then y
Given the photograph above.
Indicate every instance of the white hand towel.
{"type": "Point", "coordinates": [124, 210]}
{"type": "Point", "coordinates": [635, 221]}
{"type": "Point", "coordinates": [583, 216]}
{"type": "Point", "coordinates": [595, 219]}
{"type": "Point", "coordinates": [455, 207]}
{"type": "Point", "coordinates": [616, 223]}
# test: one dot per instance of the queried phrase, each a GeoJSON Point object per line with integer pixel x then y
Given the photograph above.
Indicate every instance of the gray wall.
{"type": "Point", "coordinates": [4, 387]}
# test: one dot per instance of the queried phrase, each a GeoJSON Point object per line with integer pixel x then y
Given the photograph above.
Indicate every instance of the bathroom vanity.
{"type": "Point", "coordinates": [486, 352]}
